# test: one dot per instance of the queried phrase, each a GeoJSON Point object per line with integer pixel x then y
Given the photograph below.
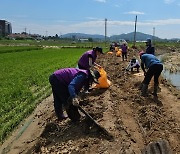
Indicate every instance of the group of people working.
{"type": "Point", "coordinates": [67, 83]}
{"type": "Point", "coordinates": [123, 49]}
{"type": "Point", "coordinates": [150, 65]}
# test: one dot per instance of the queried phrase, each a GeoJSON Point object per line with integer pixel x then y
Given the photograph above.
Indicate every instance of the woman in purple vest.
{"type": "Point", "coordinates": [88, 59]}
{"type": "Point", "coordinates": [66, 84]}
{"type": "Point", "coordinates": [124, 51]}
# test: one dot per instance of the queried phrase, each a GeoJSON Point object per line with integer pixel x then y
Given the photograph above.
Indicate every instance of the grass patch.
{"type": "Point", "coordinates": [25, 81]}
{"type": "Point", "coordinates": [8, 49]}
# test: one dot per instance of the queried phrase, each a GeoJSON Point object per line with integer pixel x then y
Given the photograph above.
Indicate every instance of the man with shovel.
{"type": "Point", "coordinates": [66, 84]}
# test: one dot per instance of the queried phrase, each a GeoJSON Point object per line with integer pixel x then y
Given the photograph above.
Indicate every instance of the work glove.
{"type": "Point", "coordinates": [75, 101]}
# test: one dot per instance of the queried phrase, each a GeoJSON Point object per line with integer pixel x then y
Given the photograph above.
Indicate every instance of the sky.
{"type": "Point", "coordinates": [50, 17]}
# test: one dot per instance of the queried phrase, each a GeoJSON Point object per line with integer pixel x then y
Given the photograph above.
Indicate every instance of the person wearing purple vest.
{"type": "Point", "coordinates": [124, 51]}
{"type": "Point", "coordinates": [88, 59]}
{"type": "Point", "coordinates": [66, 84]}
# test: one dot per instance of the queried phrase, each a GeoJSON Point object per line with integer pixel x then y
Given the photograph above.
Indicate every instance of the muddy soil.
{"type": "Point", "coordinates": [133, 121]}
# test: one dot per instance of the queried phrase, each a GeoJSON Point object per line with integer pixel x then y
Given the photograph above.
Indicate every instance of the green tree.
{"type": "Point", "coordinates": [90, 39]}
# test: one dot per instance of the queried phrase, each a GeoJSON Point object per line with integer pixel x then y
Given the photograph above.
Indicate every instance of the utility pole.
{"type": "Point", "coordinates": [105, 31]}
{"type": "Point", "coordinates": [25, 30]}
{"type": "Point", "coordinates": [135, 32]}
{"type": "Point", "coordinates": [60, 35]}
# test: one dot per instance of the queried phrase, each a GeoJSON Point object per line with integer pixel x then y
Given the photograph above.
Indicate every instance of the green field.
{"type": "Point", "coordinates": [25, 80]}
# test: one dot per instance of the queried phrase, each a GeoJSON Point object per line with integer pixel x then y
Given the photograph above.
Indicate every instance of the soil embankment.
{"type": "Point", "coordinates": [134, 121]}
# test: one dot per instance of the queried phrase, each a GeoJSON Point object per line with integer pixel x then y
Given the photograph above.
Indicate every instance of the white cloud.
{"type": "Point", "coordinates": [61, 21]}
{"type": "Point", "coordinates": [93, 18]}
{"type": "Point", "coordinates": [169, 1]}
{"type": "Point", "coordinates": [117, 5]}
{"type": "Point", "coordinates": [101, 1]}
{"type": "Point", "coordinates": [134, 12]}
{"type": "Point", "coordinates": [98, 23]}
{"type": "Point", "coordinates": [165, 22]}
{"type": "Point", "coordinates": [97, 27]}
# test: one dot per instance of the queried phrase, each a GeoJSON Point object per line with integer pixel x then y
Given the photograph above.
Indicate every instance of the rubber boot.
{"type": "Point", "coordinates": [155, 90]}
{"type": "Point", "coordinates": [73, 113]}
{"type": "Point", "coordinates": [140, 86]}
{"type": "Point", "coordinates": [144, 90]}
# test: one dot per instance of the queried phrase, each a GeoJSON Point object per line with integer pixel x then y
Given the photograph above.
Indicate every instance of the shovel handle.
{"type": "Point", "coordinates": [87, 114]}
{"type": "Point", "coordinates": [108, 135]}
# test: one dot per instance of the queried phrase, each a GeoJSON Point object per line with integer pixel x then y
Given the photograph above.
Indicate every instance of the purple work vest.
{"type": "Point", "coordinates": [124, 48]}
{"type": "Point", "coordinates": [66, 75]}
{"type": "Point", "coordinates": [84, 60]}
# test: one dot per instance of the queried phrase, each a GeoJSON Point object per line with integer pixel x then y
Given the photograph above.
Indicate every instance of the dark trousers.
{"type": "Point", "coordinates": [60, 94]}
{"type": "Point", "coordinates": [137, 66]}
{"type": "Point", "coordinates": [155, 70]}
{"type": "Point", "coordinates": [124, 55]}
{"type": "Point", "coordinates": [62, 98]}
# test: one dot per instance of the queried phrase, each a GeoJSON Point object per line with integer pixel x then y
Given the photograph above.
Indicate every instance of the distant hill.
{"type": "Point", "coordinates": [129, 36]}
{"type": "Point", "coordinates": [82, 35]}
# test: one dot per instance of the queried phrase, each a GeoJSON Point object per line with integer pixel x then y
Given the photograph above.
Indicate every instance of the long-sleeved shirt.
{"type": "Point", "coordinates": [148, 60]}
{"type": "Point", "coordinates": [133, 64]}
{"type": "Point", "coordinates": [81, 77]}
{"type": "Point", "coordinates": [73, 78]}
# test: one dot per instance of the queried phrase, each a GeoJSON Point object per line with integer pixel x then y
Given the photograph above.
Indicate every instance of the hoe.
{"type": "Point", "coordinates": [100, 128]}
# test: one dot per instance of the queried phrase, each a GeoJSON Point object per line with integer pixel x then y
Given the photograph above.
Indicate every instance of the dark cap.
{"type": "Point", "coordinates": [99, 49]}
{"type": "Point", "coordinates": [148, 40]}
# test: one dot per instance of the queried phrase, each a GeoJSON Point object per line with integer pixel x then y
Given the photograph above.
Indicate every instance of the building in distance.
{"type": "Point", "coordinates": [5, 28]}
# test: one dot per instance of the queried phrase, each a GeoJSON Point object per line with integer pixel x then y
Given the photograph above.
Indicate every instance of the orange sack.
{"type": "Point", "coordinates": [110, 53]}
{"type": "Point", "coordinates": [103, 81]}
{"type": "Point", "coordinates": [119, 53]}
{"type": "Point", "coordinates": [116, 49]}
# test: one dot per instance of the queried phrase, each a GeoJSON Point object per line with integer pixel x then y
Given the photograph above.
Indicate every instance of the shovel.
{"type": "Point", "coordinates": [100, 128]}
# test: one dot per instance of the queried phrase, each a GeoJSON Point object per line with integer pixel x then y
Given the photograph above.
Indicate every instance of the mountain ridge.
{"type": "Point", "coordinates": [128, 36]}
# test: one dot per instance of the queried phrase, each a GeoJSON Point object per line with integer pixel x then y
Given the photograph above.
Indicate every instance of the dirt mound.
{"type": "Point", "coordinates": [134, 121]}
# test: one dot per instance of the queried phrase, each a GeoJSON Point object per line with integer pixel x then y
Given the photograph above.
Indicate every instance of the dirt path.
{"type": "Point", "coordinates": [134, 121]}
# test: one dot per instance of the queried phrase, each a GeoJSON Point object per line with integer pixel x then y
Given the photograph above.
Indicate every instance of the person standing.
{"type": "Point", "coordinates": [124, 51]}
{"type": "Point", "coordinates": [66, 84]}
{"type": "Point", "coordinates": [87, 60]}
{"type": "Point", "coordinates": [154, 68]}
{"type": "Point", "coordinates": [150, 49]}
